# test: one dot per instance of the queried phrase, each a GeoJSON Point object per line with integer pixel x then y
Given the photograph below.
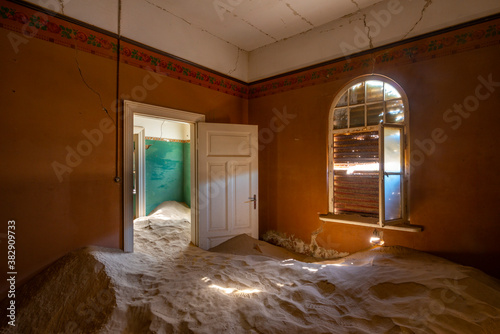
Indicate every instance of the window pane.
{"type": "Point", "coordinates": [392, 196]}
{"type": "Point", "coordinates": [390, 92]}
{"type": "Point", "coordinates": [357, 116]}
{"type": "Point", "coordinates": [374, 91]}
{"type": "Point", "coordinates": [340, 118]}
{"type": "Point", "coordinates": [392, 150]}
{"type": "Point", "coordinates": [357, 94]}
{"type": "Point", "coordinates": [394, 111]}
{"type": "Point", "coordinates": [375, 113]}
{"type": "Point", "coordinates": [343, 100]}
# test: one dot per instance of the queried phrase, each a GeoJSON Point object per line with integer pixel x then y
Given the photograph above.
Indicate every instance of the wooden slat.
{"type": "Point", "coordinates": [357, 192]}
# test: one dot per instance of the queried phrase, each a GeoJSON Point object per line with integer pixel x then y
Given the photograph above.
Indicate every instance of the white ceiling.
{"type": "Point", "coordinates": [251, 24]}
{"type": "Point", "coordinates": [255, 39]}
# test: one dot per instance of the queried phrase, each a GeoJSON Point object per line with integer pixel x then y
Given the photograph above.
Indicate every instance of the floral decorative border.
{"type": "Point", "coordinates": [33, 24]}
{"type": "Point", "coordinates": [456, 41]}
{"type": "Point", "coordinates": [40, 25]}
{"type": "Point", "coordinates": [143, 58]}
{"type": "Point", "coordinates": [168, 140]}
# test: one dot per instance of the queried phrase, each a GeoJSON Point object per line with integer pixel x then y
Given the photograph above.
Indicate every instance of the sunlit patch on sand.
{"type": "Point", "coordinates": [310, 269]}
{"type": "Point", "coordinates": [248, 286]}
{"type": "Point", "coordinates": [234, 291]}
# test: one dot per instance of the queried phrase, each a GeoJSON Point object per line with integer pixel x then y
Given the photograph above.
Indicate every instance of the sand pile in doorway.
{"type": "Point", "coordinates": [246, 245]}
{"type": "Point", "coordinates": [170, 286]}
{"type": "Point", "coordinates": [73, 295]}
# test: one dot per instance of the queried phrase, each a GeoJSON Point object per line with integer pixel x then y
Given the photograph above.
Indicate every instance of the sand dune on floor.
{"type": "Point", "coordinates": [74, 295]}
{"type": "Point", "coordinates": [246, 245]}
{"type": "Point", "coordinates": [170, 286]}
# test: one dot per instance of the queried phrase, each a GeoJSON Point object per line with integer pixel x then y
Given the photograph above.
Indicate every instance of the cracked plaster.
{"type": "Point", "coordinates": [426, 5]}
{"type": "Point", "coordinates": [237, 60]}
{"type": "Point", "coordinates": [62, 6]}
{"type": "Point", "coordinates": [323, 43]}
{"type": "Point", "coordinates": [297, 14]}
{"type": "Point", "coordinates": [89, 87]}
{"type": "Point", "coordinates": [318, 44]}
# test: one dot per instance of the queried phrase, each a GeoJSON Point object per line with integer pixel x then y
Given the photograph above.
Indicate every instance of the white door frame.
{"type": "Point", "coordinates": [140, 172]}
{"type": "Point", "coordinates": [130, 108]}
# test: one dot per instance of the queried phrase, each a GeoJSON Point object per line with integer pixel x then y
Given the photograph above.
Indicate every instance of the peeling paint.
{"type": "Point", "coordinates": [315, 233]}
{"type": "Point", "coordinates": [296, 245]}
{"type": "Point", "coordinates": [426, 5]}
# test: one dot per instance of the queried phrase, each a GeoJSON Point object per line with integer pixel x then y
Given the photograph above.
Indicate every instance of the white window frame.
{"type": "Point", "coordinates": [357, 219]}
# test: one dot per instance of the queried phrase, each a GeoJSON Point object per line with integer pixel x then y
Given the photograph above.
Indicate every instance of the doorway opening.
{"type": "Point", "coordinates": [172, 175]}
{"type": "Point", "coordinates": [161, 164]}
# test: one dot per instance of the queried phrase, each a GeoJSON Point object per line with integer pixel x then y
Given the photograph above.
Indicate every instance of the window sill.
{"type": "Point", "coordinates": [368, 221]}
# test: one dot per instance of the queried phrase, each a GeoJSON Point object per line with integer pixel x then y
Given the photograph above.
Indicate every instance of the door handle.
{"type": "Point", "coordinates": [254, 200]}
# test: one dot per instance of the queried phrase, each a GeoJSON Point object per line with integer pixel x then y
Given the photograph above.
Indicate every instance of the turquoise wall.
{"type": "Point", "coordinates": [166, 173]}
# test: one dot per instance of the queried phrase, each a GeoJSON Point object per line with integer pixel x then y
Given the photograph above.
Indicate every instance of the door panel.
{"type": "Point", "coordinates": [216, 185]}
{"type": "Point", "coordinates": [241, 181]}
{"type": "Point", "coordinates": [227, 182]}
{"type": "Point", "coordinates": [228, 144]}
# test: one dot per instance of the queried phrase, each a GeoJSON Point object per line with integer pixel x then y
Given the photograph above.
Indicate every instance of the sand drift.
{"type": "Point", "coordinates": [170, 286]}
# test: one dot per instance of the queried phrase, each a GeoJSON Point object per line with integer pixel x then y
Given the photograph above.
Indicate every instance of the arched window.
{"type": "Point", "coordinates": [368, 155]}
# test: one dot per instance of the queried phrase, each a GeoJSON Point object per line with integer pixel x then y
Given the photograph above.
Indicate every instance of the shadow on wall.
{"type": "Point", "coordinates": [167, 173]}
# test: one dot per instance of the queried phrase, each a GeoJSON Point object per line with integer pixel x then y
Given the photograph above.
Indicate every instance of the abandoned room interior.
{"type": "Point", "coordinates": [238, 166]}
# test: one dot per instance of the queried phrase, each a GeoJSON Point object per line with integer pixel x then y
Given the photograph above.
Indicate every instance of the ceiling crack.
{"type": "Point", "coordinates": [203, 30]}
{"type": "Point", "coordinates": [62, 6]}
{"type": "Point", "coordinates": [165, 10]}
{"type": "Point", "coordinates": [297, 14]}
{"type": "Point", "coordinates": [427, 4]}
{"type": "Point", "coordinates": [367, 29]}
{"type": "Point", "coordinates": [356, 4]}
{"type": "Point", "coordinates": [208, 32]}
{"type": "Point", "coordinates": [251, 25]}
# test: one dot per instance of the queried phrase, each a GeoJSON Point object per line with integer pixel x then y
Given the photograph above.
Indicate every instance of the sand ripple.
{"type": "Point", "coordinates": [170, 286]}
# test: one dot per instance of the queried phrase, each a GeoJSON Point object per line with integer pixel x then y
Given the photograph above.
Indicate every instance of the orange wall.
{"type": "Point", "coordinates": [454, 193]}
{"type": "Point", "coordinates": [45, 107]}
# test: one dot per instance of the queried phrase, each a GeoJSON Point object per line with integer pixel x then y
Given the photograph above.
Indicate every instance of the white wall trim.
{"type": "Point", "coordinates": [163, 112]}
{"type": "Point", "coordinates": [129, 109]}
{"type": "Point", "coordinates": [140, 164]}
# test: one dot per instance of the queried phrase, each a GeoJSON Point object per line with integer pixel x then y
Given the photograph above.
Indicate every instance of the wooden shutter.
{"type": "Point", "coordinates": [356, 190]}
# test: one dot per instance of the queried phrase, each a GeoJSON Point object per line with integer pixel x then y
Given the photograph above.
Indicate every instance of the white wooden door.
{"type": "Point", "coordinates": [227, 182]}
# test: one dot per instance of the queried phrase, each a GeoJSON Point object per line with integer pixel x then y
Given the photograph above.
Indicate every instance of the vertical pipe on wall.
{"type": "Point", "coordinates": [118, 104]}
{"type": "Point", "coordinates": [117, 139]}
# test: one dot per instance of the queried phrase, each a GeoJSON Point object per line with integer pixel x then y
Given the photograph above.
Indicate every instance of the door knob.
{"type": "Point", "coordinates": [254, 200]}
